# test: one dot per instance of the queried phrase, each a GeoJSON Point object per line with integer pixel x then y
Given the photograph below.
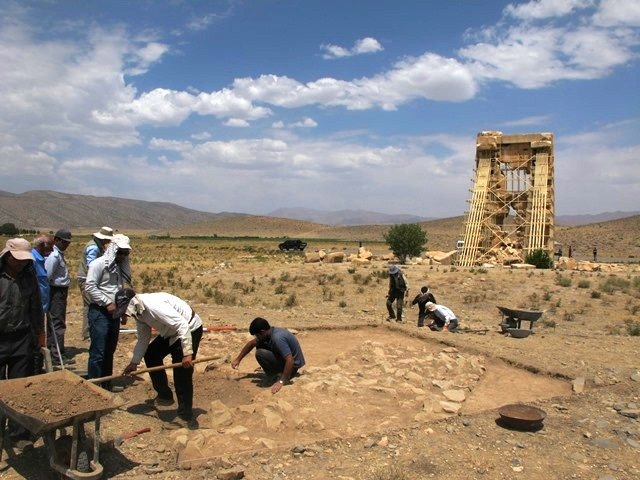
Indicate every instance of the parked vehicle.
{"type": "Point", "coordinates": [292, 245]}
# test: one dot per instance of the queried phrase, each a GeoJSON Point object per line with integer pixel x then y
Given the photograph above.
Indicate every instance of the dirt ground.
{"type": "Point", "coordinates": [378, 400]}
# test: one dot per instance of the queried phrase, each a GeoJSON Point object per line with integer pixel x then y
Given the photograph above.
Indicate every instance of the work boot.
{"type": "Point", "coordinates": [160, 401]}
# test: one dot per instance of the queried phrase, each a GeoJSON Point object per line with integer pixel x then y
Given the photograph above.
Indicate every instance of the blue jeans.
{"type": "Point", "coordinates": [104, 332]}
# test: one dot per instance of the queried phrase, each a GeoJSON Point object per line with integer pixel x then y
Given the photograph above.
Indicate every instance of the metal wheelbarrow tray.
{"type": "Point", "coordinates": [512, 318]}
{"type": "Point", "coordinates": [35, 403]}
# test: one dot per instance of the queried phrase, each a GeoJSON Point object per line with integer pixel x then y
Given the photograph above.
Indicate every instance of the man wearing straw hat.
{"type": "Point", "coordinates": [179, 332]}
{"type": "Point", "coordinates": [92, 250]}
{"type": "Point", "coordinates": [21, 318]}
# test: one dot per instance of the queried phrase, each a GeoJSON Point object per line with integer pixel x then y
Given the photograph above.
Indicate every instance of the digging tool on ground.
{"type": "Point", "coordinates": [150, 369]}
{"type": "Point", "coordinates": [46, 355]}
{"type": "Point", "coordinates": [120, 440]}
{"type": "Point", "coordinates": [55, 339]}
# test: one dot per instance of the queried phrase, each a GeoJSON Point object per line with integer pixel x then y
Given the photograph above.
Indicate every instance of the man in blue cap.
{"type": "Point", "coordinates": [59, 280]}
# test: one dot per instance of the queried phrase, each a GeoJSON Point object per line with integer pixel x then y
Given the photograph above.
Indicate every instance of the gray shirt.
{"type": "Point", "coordinates": [57, 271]}
{"type": "Point", "coordinates": [102, 284]}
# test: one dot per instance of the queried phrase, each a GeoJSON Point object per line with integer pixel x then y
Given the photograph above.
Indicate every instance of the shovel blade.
{"type": "Point", "coordinates": [46, 355]}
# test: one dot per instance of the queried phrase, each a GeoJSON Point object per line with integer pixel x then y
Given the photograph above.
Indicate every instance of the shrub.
{"type": "Point", "coordinates": [633, 327]}
{"type": "Point", "coordinates": [540, 258]}
{"type": "Point", "coordinates": [614, 283]}
{"type": "Point", "coordinates": [563, 281]}
{"type": "Point", "coordinates": [342, 304]}
{"type": "Point", "coordinates": [595, 294]}
{"type": "Point", "coordinates": [280, 289]}
{"type": "Point", "coordinates": [291, 301]}
{"type": "Point", "coordinates": [584, 284]}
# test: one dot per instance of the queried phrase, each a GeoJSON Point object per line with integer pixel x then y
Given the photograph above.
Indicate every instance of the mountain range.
{"type": "Point", "coordinates": [43, 210]}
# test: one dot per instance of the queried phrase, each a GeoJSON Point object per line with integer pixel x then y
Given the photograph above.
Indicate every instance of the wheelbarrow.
{"type": "Point", "coordinates": [31, 403]}
{"type": "Point", "coordinates": [512, 318]}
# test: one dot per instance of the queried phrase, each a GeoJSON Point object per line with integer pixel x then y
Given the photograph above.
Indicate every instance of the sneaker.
{"type": "Point", "coordinates": [160, 402]}
{"type": "Point", "coordinates": [390, 319]}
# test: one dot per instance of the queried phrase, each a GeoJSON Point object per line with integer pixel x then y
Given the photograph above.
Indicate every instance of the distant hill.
{"type": "Point", "coordinates": [46, 210]}
{"type": "Point", "coordinates": [345, 217]}
{"type": "Point", "coordinates": [595, 218]}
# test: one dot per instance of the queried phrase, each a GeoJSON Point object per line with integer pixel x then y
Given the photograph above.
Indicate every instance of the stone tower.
{"type": "Point", "coordinates": [511, 210]}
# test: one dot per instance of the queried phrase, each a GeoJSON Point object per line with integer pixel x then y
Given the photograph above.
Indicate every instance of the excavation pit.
{"type": "Point", "coordinates": [356, 382]}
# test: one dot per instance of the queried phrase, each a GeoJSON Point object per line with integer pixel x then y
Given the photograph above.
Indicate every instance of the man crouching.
{"type": "Point", "coordinates": [277, 351]}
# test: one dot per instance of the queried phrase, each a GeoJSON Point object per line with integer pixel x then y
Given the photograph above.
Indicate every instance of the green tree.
{"type": "Point", "coordinates": [407, 239]}
{"type": "Point", "coordinates": [8, 229]}
{"type": "Point", "coordinates": [540, 258]}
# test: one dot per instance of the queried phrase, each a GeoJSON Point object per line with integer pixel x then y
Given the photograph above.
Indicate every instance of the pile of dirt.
{"type": "Point", "coordinates": [53, 397]}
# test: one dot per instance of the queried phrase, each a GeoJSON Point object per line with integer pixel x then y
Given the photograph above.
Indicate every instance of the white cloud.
{"type": "Point", "coordinates": [174, 145]}
{"type": "Point", "coordinates": [599, 170]}
{"type": "Point", "coordinates": [201, 136]}
{"type": "Point", "coordinates": [534, 57]}
{"type": "Point", "coordinates": [236, 123]}
{"type": "Point", "coordinates": [367, 45]}
{"type": "Point", "coordinates": [361, 46]}
{"type": "Point", "coordinates": [542, 9]}
{"type": "Point", "coordinates": [430, 76]}
{"type": "Point", "coordinates": [618, 13]}
{"type": "Point", "coordinates": [535, 120]}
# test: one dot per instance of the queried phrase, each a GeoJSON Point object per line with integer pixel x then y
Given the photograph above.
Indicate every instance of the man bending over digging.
{"type": "Point", "coordinates": [277, 351]}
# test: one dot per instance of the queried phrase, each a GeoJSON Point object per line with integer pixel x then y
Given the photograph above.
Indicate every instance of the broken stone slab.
{"type": "Point", "coordinates": [578, 385]}
{"type": "Point", "coordinates": [450, 407]}
{"type": "Point", "coordinates": [235, 473]}
{"type": "Point", "coordinates": [455, 395]}
{"type": "Point", "coordinates": [630, 413]}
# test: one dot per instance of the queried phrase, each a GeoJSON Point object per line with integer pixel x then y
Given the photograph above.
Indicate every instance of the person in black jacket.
{"type": "Point", "coordinates": [421, 299]}
{"type": "Point", "coordinates": [21, 320]}
{"type": "Point", "coordinates": [397, 290]}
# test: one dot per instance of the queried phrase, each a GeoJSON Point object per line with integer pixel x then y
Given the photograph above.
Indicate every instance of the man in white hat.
{"type": "Point", "coordinates": [92, 250]}
{"type": "Point", "coordinates": [21, 317]}
{"type": "Point", "coordinates": [106, 275]}
{"type": "Point", "coordinates": [443, 318]}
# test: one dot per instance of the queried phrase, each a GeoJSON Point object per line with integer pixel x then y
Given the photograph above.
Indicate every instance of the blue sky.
{"type": "Point", "coordinates": [249, 106]}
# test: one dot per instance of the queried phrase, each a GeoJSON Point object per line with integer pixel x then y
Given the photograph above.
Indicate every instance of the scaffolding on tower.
{"type": "Point", "coordinates": [511, 210]}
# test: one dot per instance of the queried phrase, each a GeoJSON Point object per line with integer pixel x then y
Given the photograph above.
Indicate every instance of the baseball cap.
{"type": "Point", "coordinates": [123, 297]}
{"type": "Point", "coordinates": [63, 234]}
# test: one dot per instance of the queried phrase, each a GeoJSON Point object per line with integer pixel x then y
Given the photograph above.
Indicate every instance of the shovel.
{"type": "Point", "coordinates": [120, 440]}
{"type": "Point", "coordinates": [150, 369]}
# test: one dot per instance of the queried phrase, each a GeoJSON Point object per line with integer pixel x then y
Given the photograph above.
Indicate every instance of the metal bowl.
{"type": "Point", "coordinates": [522, 417]}
{"type": "Point", "coordinates": [518, 332]}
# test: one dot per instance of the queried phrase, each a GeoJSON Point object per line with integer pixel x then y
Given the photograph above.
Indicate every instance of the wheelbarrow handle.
{"type": "Point", "coordinates": [150, 369]}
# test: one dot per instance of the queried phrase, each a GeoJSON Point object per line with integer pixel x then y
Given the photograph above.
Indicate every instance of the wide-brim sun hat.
{"type": "Point", "coordinates": [430, 306]}
{"type": "Point", "coordinates": [121, 241]}
{"type": "Point", "coordinates": [19, 248]}
{"type": "Point", "coordinates": [105, 233]}
{"type": "Point", "coordinates": [393, 269]}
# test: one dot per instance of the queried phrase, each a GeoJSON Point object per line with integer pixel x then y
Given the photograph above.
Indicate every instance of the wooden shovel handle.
{"type": "Point", "coordinates": [150, 369]}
